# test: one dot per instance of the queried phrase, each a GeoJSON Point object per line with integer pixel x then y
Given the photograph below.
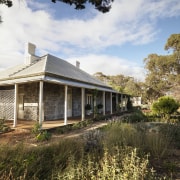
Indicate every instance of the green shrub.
{"type": "Point", "coordinates": [43, 136]}
{"type": "Point", "coordinates": [136, 116]}
{"type": "Point", "coordinates": [165, 106]}
{"type": "Point", "coordinates": [93, 141]}
{"type": "Point", "coordinates": [40, 135]}
{"type": "Point", "coordinates": [36, 129]}
{"type": "Point", "coordinates": [3, 126]}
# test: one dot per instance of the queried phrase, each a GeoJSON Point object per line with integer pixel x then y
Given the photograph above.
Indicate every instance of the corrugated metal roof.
{"type": "Point", "coordinates": [62, 68]}
{"type": "Point", "coordinates": [52, 67]}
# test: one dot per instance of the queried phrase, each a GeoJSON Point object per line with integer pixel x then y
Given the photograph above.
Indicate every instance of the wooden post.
{"type": "Point", "coordinates": [65, 104]}
{"type": "Point", "coordinates": [111, 102]}
{"type": "Point", "coordinates": [15, 105]}
{"type": "Point", "coordinates": [104, 103]}
{"type": "Point", "coordinates": [41, 107]}
{"type": "Point", "coordinates": [82, 104]}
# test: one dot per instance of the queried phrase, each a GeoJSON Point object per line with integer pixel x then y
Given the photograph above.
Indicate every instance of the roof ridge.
{"type": "Point", "coordinates": [45, 63]}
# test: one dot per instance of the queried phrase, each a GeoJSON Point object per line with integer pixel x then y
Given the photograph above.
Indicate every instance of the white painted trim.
{"type": "Point", "coordinates": [82, 104]}
{"type": "Point", "coordinates": [65, 104]}
{"type": "Point", "coordinates": [104, 103]}
{"type": "Point", "coordinates": [111, 102]}
{"type": "Point", "coordinates": [15, 104]}
{"type": "Point", "coordinates": [41, 107]}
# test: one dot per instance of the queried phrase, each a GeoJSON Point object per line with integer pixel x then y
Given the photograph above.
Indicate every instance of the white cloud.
{"type": "Point", "coordinates": [109, 65]}
{"type": "Point", "coordinates": [128, 22]}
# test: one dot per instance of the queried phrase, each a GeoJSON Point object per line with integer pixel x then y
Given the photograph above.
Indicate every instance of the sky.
{"type": "Point", "coordinates": [113, 43]}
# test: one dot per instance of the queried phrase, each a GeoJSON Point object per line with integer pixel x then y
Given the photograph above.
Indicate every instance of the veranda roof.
{"type": "Point", "coordinates": [51, 69]}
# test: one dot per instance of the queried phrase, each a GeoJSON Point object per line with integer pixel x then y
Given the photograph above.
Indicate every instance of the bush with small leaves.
{"type": "Point", "coordinates": [165, 106]}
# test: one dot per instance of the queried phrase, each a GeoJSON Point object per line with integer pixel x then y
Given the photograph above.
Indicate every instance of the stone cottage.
{"type": "Point", "coordinates": [49, 88]}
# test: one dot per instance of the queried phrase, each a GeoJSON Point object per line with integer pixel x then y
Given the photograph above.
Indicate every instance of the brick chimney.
{"type": "Point", "coordinates": [77, 64]}
{"type": "Point", "coordinates": [30, 56]}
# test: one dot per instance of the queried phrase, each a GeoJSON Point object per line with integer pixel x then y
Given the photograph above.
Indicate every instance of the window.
{"type": "Point", "coordinates": [89, 99]}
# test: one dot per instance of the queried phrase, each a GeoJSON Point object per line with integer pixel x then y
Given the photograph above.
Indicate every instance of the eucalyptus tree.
{"type": "Point", "coordinates": [163, 71]}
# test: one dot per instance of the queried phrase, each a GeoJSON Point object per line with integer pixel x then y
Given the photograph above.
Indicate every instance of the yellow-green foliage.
{"type": "Point", "coordinates": [165, 106]}
{"type": "Point", "coordinates": [123, 164]}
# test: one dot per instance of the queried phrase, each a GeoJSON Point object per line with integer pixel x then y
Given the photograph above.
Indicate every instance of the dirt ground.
{"type": "Point", "coordinates": [20, 135]}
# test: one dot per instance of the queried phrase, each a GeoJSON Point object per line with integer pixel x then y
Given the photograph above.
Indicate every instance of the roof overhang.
{"type": "Point", "coordinates": [55, 80]}
{"type": "Point", "coordinates": [21, 80]}
{"type": "Point", "coordinates": [77, 84]}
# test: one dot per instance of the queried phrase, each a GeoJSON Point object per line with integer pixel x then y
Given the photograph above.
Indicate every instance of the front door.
{"type": "Point", "coordinates": [69, 103]}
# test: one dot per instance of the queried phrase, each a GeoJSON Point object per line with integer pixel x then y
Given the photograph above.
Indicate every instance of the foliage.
{"type": "Point", "coordinates": [36, 129]}
{"type": "Point", "coordinates": [173, 42]}
{"type": "Point", "coordinates": [118, 165]}
{"type": "Point", "coordinates": [3, 126]}
{"type": "Point", "coordinates": [157, 144]}
{"type": "Point", "coordinates": [117, 151]}
{"type": "Point", "coordinates": [134, 117]}
{"type": "Point", "coordinates": [163, 71]}
{"type": "Point", "coordinates": [101, 5]}
{"type": "Point", "coordinates": [8, 3]}
{"type": "Point", "coordinates": [88, 107]}
{"type": "Point", "coordinates": [165, 106]}
{"type": "Point", "coordinates": [21, 162]}
{"type": "Point", "coordinates": [40, 135]}
{"type": "Point", "coordinates": [43, 136]}
{"type": "Point", "coordinates": [99, 106]}
{"type": "Point", "coordinates": [172, 131]}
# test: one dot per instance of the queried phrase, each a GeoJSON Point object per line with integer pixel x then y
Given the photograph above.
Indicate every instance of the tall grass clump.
{"type": "Point", "coordinates": [171, 131]}
{"type": "Point", "coordinates": [122, 164]}
{"type": "Point", "coordinates": [122, 134]}
{"type": "Point", "coordinates": [22, 162]}
{"type": "Point", "coordinates": [139, 135]}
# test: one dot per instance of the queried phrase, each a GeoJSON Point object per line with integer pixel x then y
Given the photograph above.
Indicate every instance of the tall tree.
{"type": "Point", "coordinates": [163, 72]}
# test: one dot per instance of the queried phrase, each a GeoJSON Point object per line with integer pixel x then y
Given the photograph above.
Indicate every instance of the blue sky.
{"type": "Point", "coordinates": [113, 43]}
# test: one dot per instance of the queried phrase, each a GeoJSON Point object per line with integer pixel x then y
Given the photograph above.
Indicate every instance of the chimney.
{"type": "Point", "coordinates": [30, 56]}
{"type": "Point", "coordinates": [77, 64]}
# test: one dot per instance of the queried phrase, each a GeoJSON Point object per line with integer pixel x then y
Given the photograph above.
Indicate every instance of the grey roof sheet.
{"type": "Point", "coordinates": [62, 68]}
{"type": "Point", "coordinates": [53, 66]}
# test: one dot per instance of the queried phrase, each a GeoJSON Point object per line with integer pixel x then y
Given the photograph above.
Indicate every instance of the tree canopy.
{"type": "Point", "coordinates": [162, 78]}
{"type": "Point", "coordinates": [163, 71]}
{"type": "Point", "coordinates": [101, 5]}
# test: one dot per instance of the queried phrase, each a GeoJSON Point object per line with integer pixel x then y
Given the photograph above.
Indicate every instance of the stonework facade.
{"type": "Point", "coordinates": [28, 97]}
{"type": "Point", "coordinates": [53, 101]}
{"type": "Point", "coordinates": [76, 101]}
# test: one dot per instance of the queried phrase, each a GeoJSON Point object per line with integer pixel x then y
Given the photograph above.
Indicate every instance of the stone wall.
{"type": "Point", "coordinates": [108, 104]}
{"type": "Point", "coordinates": [53, 101]}
{"type": "Point", "coordinates": [53, 98]}
{"type": "Point", "coordinates": [76, 102]}
{"type": "Point", "coordinates": [30, 93]}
